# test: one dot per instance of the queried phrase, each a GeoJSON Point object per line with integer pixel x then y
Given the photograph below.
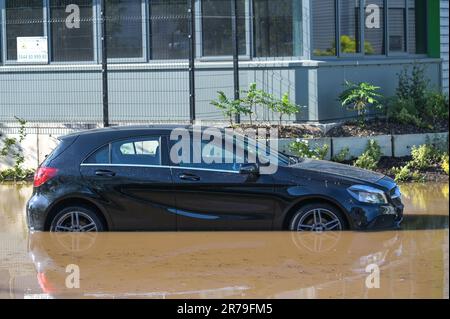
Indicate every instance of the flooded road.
{"type": "Point", "coordinates": [413, 262]}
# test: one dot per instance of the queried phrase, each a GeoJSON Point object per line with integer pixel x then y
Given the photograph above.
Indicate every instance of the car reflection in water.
{"type": "Point", "coordinates": [237, 265]}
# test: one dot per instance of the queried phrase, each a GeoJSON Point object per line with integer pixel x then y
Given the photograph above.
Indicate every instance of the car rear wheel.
{"type": "Point", "coordinates": [318, 218]}
{"type": "Point", "coordinates": [76, 219]}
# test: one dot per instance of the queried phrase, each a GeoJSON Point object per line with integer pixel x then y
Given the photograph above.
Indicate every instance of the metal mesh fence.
{"type": "Point", "coordinates": [63, 63]}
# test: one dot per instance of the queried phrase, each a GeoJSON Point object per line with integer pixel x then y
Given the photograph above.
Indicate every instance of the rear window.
{"type": "Point", "coordinates": [63, 144]}
{"type": "Point", "coordinates": [100, 156]}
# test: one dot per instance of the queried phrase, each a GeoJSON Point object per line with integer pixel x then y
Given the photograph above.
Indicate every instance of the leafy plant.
{"type": "Point", "coordinates": [445, 163]}
{"type": "Point", "coordinates": [349, 45]}
{"type": "Point", "coordinates": [283, 106]}
{"type": "Point", "coordinates": [12, 147]}
{"type": "Point", "coordinates": [406, 115]}
{"type": "Point", "coordinates": [230, 108]}
{"type": "Point", "coordinates": [436, 106]}
{"type": "Point", "coordinates": [371, 156]}
{"type": "Point", "coordinates": [359, 97]}
{"type": "Point", "coordinates": [406, 174]}
{"type": "Point", "coordinates": [302, 149]}
{"type": "Point", "coordinates": [414, 86]}
{"type": "Point", "coordinates": [254, 98]}
{"type": "Point", "coordinates": [424, 156]}
{"type": "Point", "coordinates": [416, 104]}
{"type": "Point", "coordinates": [342, 155]}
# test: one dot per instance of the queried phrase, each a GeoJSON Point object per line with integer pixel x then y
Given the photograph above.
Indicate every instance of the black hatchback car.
{"type": "Point", "coordinates": [124, 179]}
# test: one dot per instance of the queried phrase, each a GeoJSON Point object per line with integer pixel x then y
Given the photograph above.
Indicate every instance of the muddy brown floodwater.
{"type": "Point", "coordinates": [413, 262]}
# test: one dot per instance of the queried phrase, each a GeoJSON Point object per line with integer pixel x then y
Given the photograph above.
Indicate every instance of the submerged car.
{"type": "Point", "coordinates": [125, 179]}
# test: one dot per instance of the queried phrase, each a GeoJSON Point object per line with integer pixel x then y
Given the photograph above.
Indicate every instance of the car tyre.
{"type": "Point", "coordinates": [77, 219]}
{"type": "Point", "coordinates": [317, 217]}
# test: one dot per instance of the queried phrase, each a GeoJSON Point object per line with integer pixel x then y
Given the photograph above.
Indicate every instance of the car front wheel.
{"type": "Point", "coordinates": [317, 218]}
{"type": "Point", "coordinates": [76, 219]}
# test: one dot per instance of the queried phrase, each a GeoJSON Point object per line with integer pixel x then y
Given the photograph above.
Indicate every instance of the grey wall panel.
{"type": "Point", "coordinates": [148, 96]}
{"type": "Point", "coordinates": [144, 95]}
{"type": "Point", "coordinates": [331, 79]}
{"type": "Point", "coordinates": [48, 96]}
{"type": "Point", "coordinates": [276, 81]}
{"type": "Point", "coordinates": [207, 83]}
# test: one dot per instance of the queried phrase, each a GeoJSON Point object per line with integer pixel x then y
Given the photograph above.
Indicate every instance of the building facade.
{"type": "Point", "coordinates": [51, 54]}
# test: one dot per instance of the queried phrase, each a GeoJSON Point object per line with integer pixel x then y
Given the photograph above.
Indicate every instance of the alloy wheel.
{"type": "Point", "coordinates": [319, 220]}
{"type": "Point", "coordinates": [74, 221]}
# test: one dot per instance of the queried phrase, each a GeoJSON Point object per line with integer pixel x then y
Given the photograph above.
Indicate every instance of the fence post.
{"type": "Point", "coordinates": [104, 65]}
{"type": "Point", "coordinates": [191, 11]}
{"type": "Point", "coordinates": [235, 40]}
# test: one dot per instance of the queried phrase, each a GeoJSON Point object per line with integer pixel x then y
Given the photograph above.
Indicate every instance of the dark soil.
{"type": "Point", "coordinates": [383, 127]}
{"type": "Point", "coordinates": [348, 129]}
{"type": "Point", "coordinates": [289, 131]}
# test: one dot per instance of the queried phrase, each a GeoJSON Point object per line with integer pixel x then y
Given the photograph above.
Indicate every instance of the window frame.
{"type": "Point", "coordinates": [95, 34]}
{"type": "Point", "coordinates": [362, 54]}
{"type": "Point", "coordinates": [163, 152]}
{"type": "Point", "coordinates": [150, 35]}
{"type": "Point", "coordinates": [144, 58]}
{"type": "Point", "coordinates": [305, 28]}
{"type": "Point", "coordinates": [361, 31]}
{"type": "Point", "coordinates": [3, 36]}
{"type": "Point", "coordinates": [404, 53]}
{"type": "Point", "coordinates": [199, 35]}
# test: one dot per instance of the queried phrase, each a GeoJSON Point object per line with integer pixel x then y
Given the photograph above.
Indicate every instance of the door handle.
{"type": "Point", "coordinates": [105, 173]}
{"type": "Point", "coordinates": [189, 177]}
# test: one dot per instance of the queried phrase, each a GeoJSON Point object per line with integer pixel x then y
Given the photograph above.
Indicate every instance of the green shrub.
{"type": "Point", "coordinates": [424, 156]}
{"type": "Point", "coordinates": [360, 97]}
{"type": "Point", "coordinates": [404, 112]}
{"type": "Point", "coordinates": [371, 156]}
{"type": "Point", "coordinates": [445, 164]}
{"type": "Point", "coordinates": [253, 98]}
{"type": "Point", "coordinates": [16, 174]}
{"type": "Point", "coordinates": [283, 106]}
{"type": "Point", "coordinates": [342, 156]}
{"type": "Point", "coordinates": [230, 108]}
{"type": "Point", "coordinates": [302, 148]}
{"type": "Point", "coordinates": [406, 174]}
{"type": "Point", "coordinates": [436, 107]}
{"type": "Point", "coordinates": [415, 103]}
{"type": "Point", "coordinates": [413, 85]}
{"type": "Point", "coordinates": [12, 148]}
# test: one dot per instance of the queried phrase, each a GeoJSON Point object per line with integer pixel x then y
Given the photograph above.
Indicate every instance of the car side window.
{"type": "Point", "coordinates": [141, 151]}
{"type": "Point", "coordinates": [215, 157]}
{"type": "Point", "coordinates": [101, 156]}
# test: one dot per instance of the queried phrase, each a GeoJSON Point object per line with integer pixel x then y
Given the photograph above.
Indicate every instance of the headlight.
{"type": "Point", "coordinates": [367, 194]}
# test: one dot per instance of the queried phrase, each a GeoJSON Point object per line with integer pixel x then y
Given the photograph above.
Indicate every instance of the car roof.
{"type": "Point", "coordinates": [130, 128]}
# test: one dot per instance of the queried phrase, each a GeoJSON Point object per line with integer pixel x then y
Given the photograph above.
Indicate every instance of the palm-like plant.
{"type": "Point", "coordinates": [359, 97]}
{"type": "Point", "coordinates": [284, 106]}
{"type": "Point", "coordinates": [230, 108]}
{"type": "Point", "coordinates": [254, 98]}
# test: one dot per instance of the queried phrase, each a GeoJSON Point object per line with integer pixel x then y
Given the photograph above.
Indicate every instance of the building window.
{"type": "Point", "coordinates": [72, 33]}
{"type": "Point", "coordinates": [24, 18]}
{"type": "Point", "coordinates": [169, 29]}
{"type": "Point", "coordinates": [324, 27]}
{"type": "Point", "coordinates": [277, 28]}
{"type": "Point", "coordinates": [216, 28]}
{"type": "Point", "coordinates": [124, 29]}
{"type": "Point", "coordinates": [364, 31]}
{"type": "Point", "coordinates": [396, 25]}
{"type": "Point", "coordinates": [350, 26]}
{"type": "Point", "coordinates": [374, 39]}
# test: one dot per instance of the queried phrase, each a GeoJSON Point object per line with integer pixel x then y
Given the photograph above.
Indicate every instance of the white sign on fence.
{"type": "Point", "coordinates": [32, 50]}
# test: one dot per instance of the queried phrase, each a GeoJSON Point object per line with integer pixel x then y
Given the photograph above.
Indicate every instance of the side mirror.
{"type": "Point", "coordinates": [249, 169]}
